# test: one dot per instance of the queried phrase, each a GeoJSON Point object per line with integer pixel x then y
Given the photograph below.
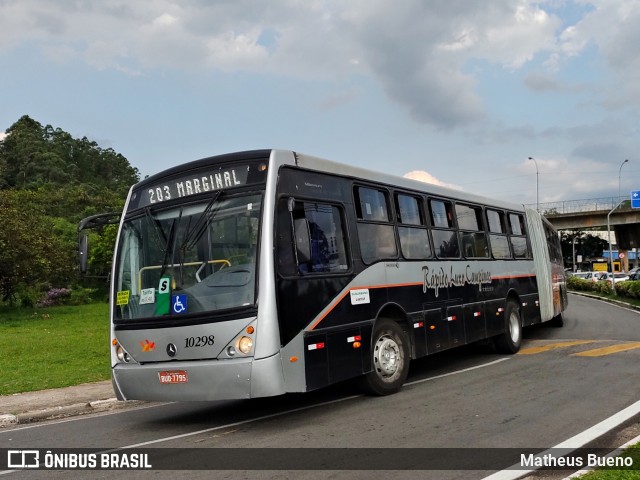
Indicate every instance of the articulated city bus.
{"type": "Point", "coordinates": [258, 273]}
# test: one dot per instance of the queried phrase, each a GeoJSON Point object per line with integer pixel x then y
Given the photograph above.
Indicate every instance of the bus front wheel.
{"type": "Point", "coordinates": [511, 339]}
{"type": "Point", "coordinates": [390, 359]}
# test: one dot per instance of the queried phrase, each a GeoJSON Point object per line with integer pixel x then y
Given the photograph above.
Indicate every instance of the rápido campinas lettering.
{"type": "Point", "coordinates": [439, 277]}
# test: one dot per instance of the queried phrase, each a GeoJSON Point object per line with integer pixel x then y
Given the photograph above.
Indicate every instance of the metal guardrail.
{"type": "Point", "coordinates": [578, 206]}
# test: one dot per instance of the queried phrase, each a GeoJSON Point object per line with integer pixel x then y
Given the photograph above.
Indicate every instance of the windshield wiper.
{"type": "Point", "coordinates": [194, 233]}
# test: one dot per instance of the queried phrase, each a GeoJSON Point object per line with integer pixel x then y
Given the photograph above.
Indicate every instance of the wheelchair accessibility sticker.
{"type": "Point", "coordinates": [179, 303]}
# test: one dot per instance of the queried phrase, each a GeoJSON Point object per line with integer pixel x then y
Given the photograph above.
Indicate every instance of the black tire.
{"type": "Point", "coordinates": [390, 359]}
{"type": "Point", "coordinates": [510, 341]}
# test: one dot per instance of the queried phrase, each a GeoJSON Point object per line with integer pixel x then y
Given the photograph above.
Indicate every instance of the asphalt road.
{"type": "Point", "coordinates": [563, 382]}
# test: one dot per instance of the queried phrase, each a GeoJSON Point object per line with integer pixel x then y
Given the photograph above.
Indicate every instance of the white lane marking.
{"type": "Point", "coordinates": [273, 415]}
{"type": "Point", "coordinates": [308, 407]}
{"type": "Point", "coordinates": [615, 453]}
{"type": "Point", "coordinates": [241, 422]}
{"type": "Point", "coordinates": [457, 372]}
{"type": "Point", "coordinates": [573, 443]}
{"type": "Point", "coordinates": [47, 423]}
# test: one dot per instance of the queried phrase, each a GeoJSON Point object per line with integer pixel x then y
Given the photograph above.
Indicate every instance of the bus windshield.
{"type": "Point", "coordinates": [190, 258]}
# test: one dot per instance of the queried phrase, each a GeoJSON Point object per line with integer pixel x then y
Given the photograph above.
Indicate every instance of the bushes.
{"type": "Point", "coordinates": [66, 296]}
{"type": "Point", "coordinates": [628, 289]}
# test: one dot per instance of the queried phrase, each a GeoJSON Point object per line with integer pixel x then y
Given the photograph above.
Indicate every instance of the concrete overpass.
{"type": "Point", "coordinates": [592, 213]}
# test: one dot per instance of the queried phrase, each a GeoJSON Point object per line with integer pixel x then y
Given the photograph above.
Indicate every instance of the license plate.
{"type": "Point", "coordinates": [173, 376]}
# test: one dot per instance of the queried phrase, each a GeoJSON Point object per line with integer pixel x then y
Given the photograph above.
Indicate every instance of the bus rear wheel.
{"type": "Point", "coordinates": [390, 359]}
{"type": "Point", "coordinates": [510, 341]}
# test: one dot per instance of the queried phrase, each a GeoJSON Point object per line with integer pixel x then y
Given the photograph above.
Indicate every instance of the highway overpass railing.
{"type": "Point", "coordinates": [586, 205]}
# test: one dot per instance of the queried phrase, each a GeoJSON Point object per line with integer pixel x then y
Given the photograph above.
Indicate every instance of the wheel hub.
{"type": "Point", "coordinates": [387, 356]}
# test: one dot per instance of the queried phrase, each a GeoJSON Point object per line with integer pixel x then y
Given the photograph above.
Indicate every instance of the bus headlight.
{"type": "Point", "coordinates": [245, 344]}
{"type": "Point", "coordinates": [122, 355]}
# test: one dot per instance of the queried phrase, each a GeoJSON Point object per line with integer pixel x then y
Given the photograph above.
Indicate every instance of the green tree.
{"type": "Point", "coordinates": [32, 155]}
{"type": "Point", "coordinates": [33, 253]}
{"type": "Point", "coordinates": [586, 244]}
{"type": "Point", "coordinates": [48, 182]}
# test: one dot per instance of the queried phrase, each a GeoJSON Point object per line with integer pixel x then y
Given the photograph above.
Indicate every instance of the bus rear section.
{"type": "Point", "coordinates": [549, 267]}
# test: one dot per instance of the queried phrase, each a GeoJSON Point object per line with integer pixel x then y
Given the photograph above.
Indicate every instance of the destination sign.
{"type": "Point", "coordinates": [191, 184]}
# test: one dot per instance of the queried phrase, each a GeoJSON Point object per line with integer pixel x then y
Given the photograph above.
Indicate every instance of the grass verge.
{"type": "Point", "coordinates": [53, 347]}
{"type": "Point", "coordinates": [612, 474]}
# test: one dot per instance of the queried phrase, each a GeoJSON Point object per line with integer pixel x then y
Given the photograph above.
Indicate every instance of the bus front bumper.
{"type": "Point", "coordinates": [185, 381]}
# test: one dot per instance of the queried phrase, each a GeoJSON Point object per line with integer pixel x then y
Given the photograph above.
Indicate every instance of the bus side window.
{"type": "Point", "coordinates": [412, 230]}
{"type": "Point", "coordinates": [472, 235]}
{"type": "Point", "coordinates": [445, 237]}
{"type": "Point", "coordinates": [375, 230]}
{"type": "Point", "coordinates": [518, 237]}
{"type": "Point", "coordinates": [498, 234]}
{"type": "Point", "coordinates": [310, 238]}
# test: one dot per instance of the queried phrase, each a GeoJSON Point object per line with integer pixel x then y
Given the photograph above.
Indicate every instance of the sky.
{"type": "Point", "coordinates": [458, 92]}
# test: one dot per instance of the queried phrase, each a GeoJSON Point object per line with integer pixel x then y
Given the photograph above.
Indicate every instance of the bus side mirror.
{"type": "Point", "coordinates": [83, 252]}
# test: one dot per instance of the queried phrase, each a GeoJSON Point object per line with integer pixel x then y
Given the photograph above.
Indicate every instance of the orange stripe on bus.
{"type": "Point", "coordinates": [363, 287]}
{"type": "Point", "coordinates": [391, 285]}
{"type": "Point", "coordinates": [526, 275]}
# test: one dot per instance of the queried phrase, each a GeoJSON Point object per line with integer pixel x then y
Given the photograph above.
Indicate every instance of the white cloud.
{"type": "Point", "coordinates": [419, 52]}
{"type": "Point", "coordinates": [426, 177]}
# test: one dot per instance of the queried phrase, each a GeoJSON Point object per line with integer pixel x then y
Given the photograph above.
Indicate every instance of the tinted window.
{"type": "Point", "coordinates": [519, 246]}
{"type": "Point", "coordinates": [408, 209]}
{"type": "Point", "coordinates": [516, 222]}
{"type": "Point", "coordinates": [377, 242]}
{"type": "Point", "coordinates": [495, 220]}
{"type": "Point", "coordinates": [414, 243]}
{"type": "Point", "coordinates": [469, 218]}
{"type": "Point", "coordinates": [500, 246]}
{"type": "Point", "coordinates": [441, 213]}
{"type": "Point", "coordinates": [371, 205]}
{"type": "Point", "coordinates": [445, 243]}
{"type": "Point", "coordinates": [311, 239]}
{"type": "Point", "coordinates": [474, 245]}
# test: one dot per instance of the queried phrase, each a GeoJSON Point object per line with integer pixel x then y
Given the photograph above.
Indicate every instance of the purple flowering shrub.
{"type": "Point", "coordinates": [55, 296]}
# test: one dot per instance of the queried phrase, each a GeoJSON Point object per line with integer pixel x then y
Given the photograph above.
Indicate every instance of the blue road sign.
{"type": "Point", "coordinates": [635, 199]}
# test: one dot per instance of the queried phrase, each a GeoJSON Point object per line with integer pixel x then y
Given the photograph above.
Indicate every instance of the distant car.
{"type": "Point", "coordinates": [593, 276]}
{"type": "Point", "coordinates": [634, 275]}
{"type": "Point", "coordinates": [579, 274]}
{"type": "Point", "coordinates": [608, 277]}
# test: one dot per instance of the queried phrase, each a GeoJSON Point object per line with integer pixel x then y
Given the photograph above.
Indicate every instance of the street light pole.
{"type": "Point", "coordinates": [537, 185]}
{"type": "Point", "coordinates": [613, 279]}
{"type": "Point", "coordinates": [619, 172]}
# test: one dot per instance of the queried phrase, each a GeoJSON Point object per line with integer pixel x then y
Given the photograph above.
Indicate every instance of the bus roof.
{"type": "Point", "coordinates": [285, 157]}
{"type": "Point", "coordinates": [329, 166]}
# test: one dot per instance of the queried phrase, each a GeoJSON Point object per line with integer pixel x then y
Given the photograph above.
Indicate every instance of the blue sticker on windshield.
{"type": "Point", "coordinates": [179, 303]}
